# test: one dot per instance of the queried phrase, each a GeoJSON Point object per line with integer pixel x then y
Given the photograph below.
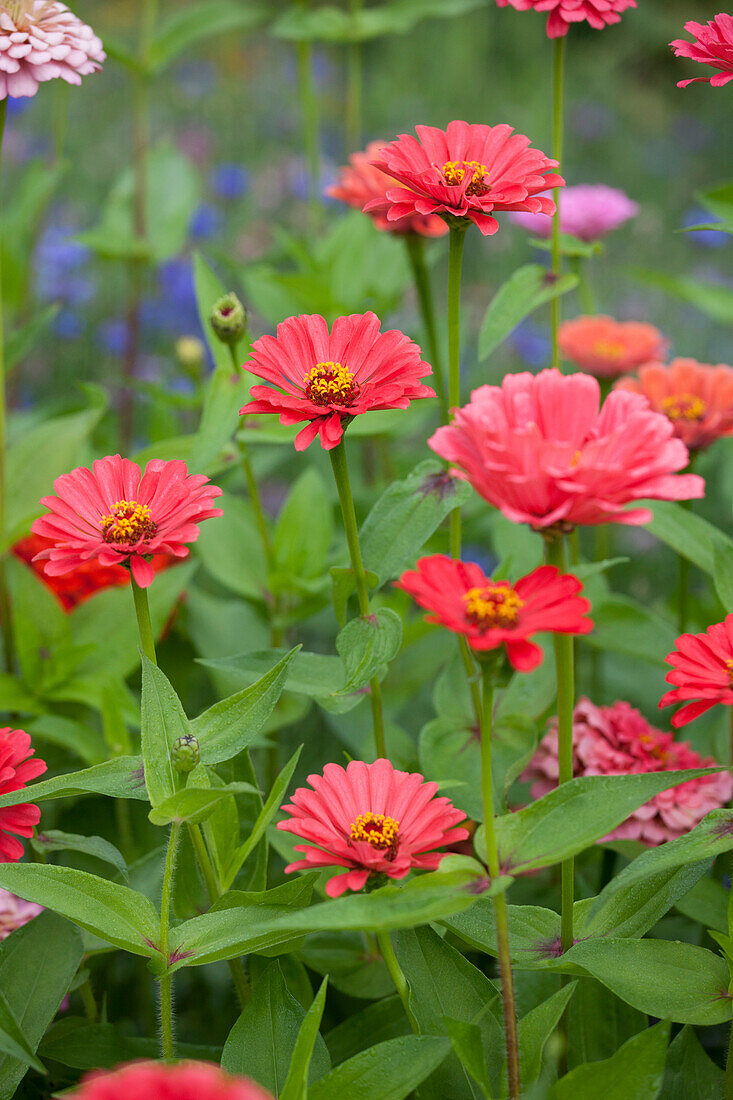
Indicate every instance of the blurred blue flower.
{"type": "Point", "coordinates": [112, 336]}
{"type": "Point", "coordinates": [532, 343]}
{"type": "Point", "coordinates": [481, 557]}
{"type": "Point", "coordinates": [707, 238]}
{"type": "Point", "coordinates": [229, 181]}
{"type": "Point", "coordinates": [68, 325]}
{"type": "Point", "coordinates": [297, 177]}
{"type": "Point", "coordinates": [206, 221]}
{"type": "Point", "coordinates": [58, 263]}
{"type": "Point", "coordinates": [18, 106]}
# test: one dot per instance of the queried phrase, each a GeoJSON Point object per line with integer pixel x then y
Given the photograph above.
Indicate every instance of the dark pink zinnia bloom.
{"type": "Point", "coordinates": [15, 912]}
{"type": "Point", "coordinates": [702, 670]}
{"type": "Point", "coordinates": [491, 614]}
{"type": "Point", "coordinates": [158, 1081]}
{"type": "Point", "coordinates": [329, 378]}
{"type": "Point", "coordinates": [562, 13]}
{"type": "Point", "coordinates": [713, 46]}
{"type": "Point", "coordinates": [618, 740]}
{"type": "Point", "coordinates": [17, 768]}
{"type": "Point", "coordinates": [117, 516]}
{"type": "Point", "coordinates": [372, 820]}
{"type": "Point", "coordinates": [542, 450]}
{"type": "Point", "coordinates": [467, 171]}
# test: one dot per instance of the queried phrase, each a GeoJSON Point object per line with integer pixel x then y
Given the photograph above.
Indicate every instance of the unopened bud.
{"type": "Point", "coordinates": [185, 753]}
{"type": "Point", "coordinates": [229, 319]}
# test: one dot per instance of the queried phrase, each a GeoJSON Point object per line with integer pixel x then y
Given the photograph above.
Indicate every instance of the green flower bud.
{"type": "Point", "coordinates": [229, 319]}
{"type": "Point", "coordinates": [185, 753]}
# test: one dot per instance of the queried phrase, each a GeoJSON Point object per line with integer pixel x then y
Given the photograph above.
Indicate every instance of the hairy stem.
{"type": "Point", "coordinates": [167, 1044]}
{"type": "Point", "coordinates": [395, 972]}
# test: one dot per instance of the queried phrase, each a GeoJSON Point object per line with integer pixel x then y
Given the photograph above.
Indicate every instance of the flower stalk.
{"type": "Point", "coordinates": [5, 607]}
{"type": "Point", "coordinates": [457, 240]}
{"type": "Point", "coordinates": [311, 123]}
{"type": "Point", "coordinates": [167, 1041]}
{"type": "Point", "coordinates": [557, 153]}
{"type": "Point", "coordinates": [145, 626]}
{"type": "Point", "coordinates": [415, 246]}
{"type": "Point", "coordinates": [384, 942]}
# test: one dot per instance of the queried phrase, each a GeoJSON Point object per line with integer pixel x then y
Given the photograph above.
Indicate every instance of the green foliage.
{"type": "Point", "coordinates": [635, 1072]}
{"type": "Point", "coordinates": [527, 290]}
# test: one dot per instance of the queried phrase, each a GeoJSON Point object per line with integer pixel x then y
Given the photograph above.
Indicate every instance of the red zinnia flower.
{"type": "Point", "coordinates": [540, 449]}
{"type": "Point", "coordinates": [158, 1081]}
{"type": "Point", "coordinates": [561, 13]}
{"type": "Point", "coordinates": [618, 740]}
{"type": "Point", "coordinates": [371, 819]}
{"type": "Point", "coordinates": [16, 770]}
{"type": "Point", "coordinates": [114, 516]}
{"type": "Point", "coordinates": [360, 182]}
{"type": "Point", "coordinates": [702, 670]}
{"type": "Point", "coordinates": [466, 171]}
{"type": "Point", "coordinates": [607, 348]}
{"type": "Point", "coordinates": [328, 378]}
{"type": "Point", "coordinates": [697, 398]}
{"type": "Point", "coordinates": [491, 614]}
{"type": "Point", "coordinates": [713, 46]}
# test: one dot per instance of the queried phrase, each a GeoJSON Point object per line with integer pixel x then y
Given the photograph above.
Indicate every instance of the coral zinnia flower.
{"type": "Point", "coordinates": [608, 348]}
{"type": "Point", "coordinates": [16, 770]}
{"type": "Point", "coordinates": [697, 398]}
{"type": "Point", "coordinates": [113, 515]}
{"type": "Point", "coordinates": [328, 378]}
{"type": "Point", "coordinates": [561, 13]}
{"type": "Point", "coordinates": [371, 819]}
{"type": "Point", "coordinates": [41, 40]}
{"type": "Point", "coordinates": [360, 183]}
{"type": "Point", "coordinates": [466, 171]}
{"type": "Point", "coordinates": [539, 448]}
{"type": "Point", "coordinates": [713, 46]}
{"type": "Point", "coordinates": [618, 740]}
{"type": "Point", "coordinates": [158, 1081]}
{"type": "Point", "coordinates": [588, 211]}
{"type": "Point", "coordinates": [702, 670]}
{"type": "Point", "coordinates": [15, 912]}
{"type": "Point", "coordinates": [491, 614]}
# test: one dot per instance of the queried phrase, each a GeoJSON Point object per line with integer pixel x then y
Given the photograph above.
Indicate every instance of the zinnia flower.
{"type": "Point", "coordinates": [713, 46]}
{"type": "Point", "coordinates": [697, 398]}
{"type": "Point", "coordinates": [540, 449]}
{"type": "Point", "coordinates": [588, 211]}
{"type": "Point", "coordinates": [114, 516]}
{"type": "Point", "coordinates": [561, 13]}
{"type": "Point", "coordinates": [618, 740]}
{"type": "Point", "coordinates": [607, 348]}
{"type": "Point", "coordinates": [360, 182]}
{"type": "Point", "coordinates": [158, 1081]}
{"type": "Point", "coordinates": [466, 171]}
{"type": "Point", "coordinates": [41, 40]}
{"type": "Point", "coordinates": [16, 770]}
{"type": "Point", "coordinates": [15, 912]}
{"type": "Point", "coordinates": [372, 820]}
{"type": "Point", "coordinates": [702, 670]}
{"type": "Point", "coordinates": [491, 614]}
{"type": "Point", "coordinates": [329, 378]}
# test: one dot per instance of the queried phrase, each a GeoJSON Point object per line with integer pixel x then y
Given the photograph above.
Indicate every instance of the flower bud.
{"type": "Point", "coordinates": [185, 753]}
{"type": "Point", "coordinates": [229, 319]}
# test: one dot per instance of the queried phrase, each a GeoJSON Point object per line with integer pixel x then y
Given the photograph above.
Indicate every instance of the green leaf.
{"type": "Point", "coordinates": [723, 574]}
{"type": "Point", "coordinates": [690, 1073]}
{"type": "Point", "coordinates": [635, 1072]}
{"type": "Point", "coordinates": [118, 778]}
{"type": "Point", "coordinates": [53, 840]}
{"type": "Point", "coordinates": [163, 721]}
{"type": "Point", "coordinates": [351, 965]}
{"type": "Point", "coordinates": [712, 299]}
{"type": "Point", "coordinates": [331, 24]}
{"type": "Point", "coordinates": [599, 1023]}
{"type": "Point", "coordinates": [296, 1085]}
{"type": "Point", "coordinates": [304, 529]}
{"type": "Point", "coordinates": [535, 1029]}
{"type": "Point", "coordinates": [366, 645]}
{"type": "Point", "coordinates": [195, 804]}
{"type": "Point", "coordinates": [621, 625]}
{"type": "Point", "coordinates": [231, 550]}
{"type": "Point", "coordinates": [22, 340]}
{"type": "Point", "coordinates": [189, 27]}
{"type": "Point", "coordinates": [73, 1042]}
{"type": "Point", "coordinates": [16, 698]}
{"type": "Point", "coordinates": [389, 1070]}
{"type": "Point", "coordinates": [534, 933]}
{"type": "Point", "coordinates": [689, 534]}
{"type": "Point", "coordinates": [12, 1039]}
{"type": "Point", "coordinates": [525, 291]}
{"type": "Point", "coordinates": [382, 1020]}
{"type": "Point", "coordinates": [467, 1043]}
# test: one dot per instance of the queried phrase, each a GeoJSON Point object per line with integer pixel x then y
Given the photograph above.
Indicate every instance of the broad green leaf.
{"type": "Point", "coordinates": [296, 1085]}
{"type": "Point", "coordinates": [22, 340]}
{"type": "Point", "coordinates": [118, 778]}
{"type": "Point", "coordinates": [467, 1043]}
{"type": "Point", "coordinates": [15, 698]}
{"type": "Point", "coordinates": [599, 1023]}
{"type": "Point", "coordinates": [312, 674]}
{"type": "Point", "coordinates": [621, 625]}
{"type": "Point", "coordinates": [195, 804]}
{"type": "Point", "coordinates": [352, 966]}
{"type": "Point", "coordinates": [535, 1030]}
{"type": "Point", "coordinates": [723, 574]}
{"type": "Point", "coordinates": [715, 300]}
{"type": "Point", "coordinates": [689, 534]}
{"type": "Point", "coordinates": [525, 291]}
{"type": "Point", "coordinates": [389, 1070]}
{"type": "Point", "coordinates": [366, 645]}
{"type": "Point", "coordinates": [12, 1040]}
{"type": "Point", "coordinates": [189, 27]}
{"type": "Point", "coordinates": [163, 721]}
{"type": "Point", "coordinates": [534, 932]}
{"type": "Point", "coordinates": [231, 550]}
{"type": "Point", "coordinates": [382, 1020]}
{"type": "Point", "coordinates": [689, 1072]}
{"type": "Point", "coordinates": [302, 536]}
{"type": "Point", "coordinates": [635, 1072]}
{"type": "Point", "coordinates": [706, 903]}
{"type": "Point", "coordinates": [53, 840]}
{"type": "Point", "coordinates": [75, 1042]}
{"type": "Point", "coordinates": [331, 24]}
{"type": "Point", "coordinates": [80, 740]}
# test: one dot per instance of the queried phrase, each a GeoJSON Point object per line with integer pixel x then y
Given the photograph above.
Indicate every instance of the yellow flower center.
{"type": "Point", "coordinates": [684, 406]}
{"type": "Point", "coordinates": [729, 666]}
{"type": "Point", "coordinates": [331, 384]}
{"type": "Point", "coordinates": [128, 522]}
{"type": "Point", "coordinates": [609, 349]}
{"type": "Point", "coordinates": [379, 831]}
{"type": "Point", "coordinates": [454, 172]}
{"type": "Point", "coordinates": [496, 605]}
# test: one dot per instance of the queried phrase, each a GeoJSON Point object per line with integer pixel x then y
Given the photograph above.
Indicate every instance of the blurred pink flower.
{"type": "Point", "coordinates": [41, 40]}
{"type": "Point", "coordinates": [713, 46]}
{"type": "Point", "coordinates": [158, 1081]}
{"type": "Point", "coordinates": [562, 13]}
{"type": "Point", "coordinates": [14, 913]}
{"type": "Point", "coordinates": [587, 211]}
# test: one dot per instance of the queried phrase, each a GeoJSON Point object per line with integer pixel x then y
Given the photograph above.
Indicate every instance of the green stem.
{"type": "Point", "coordinates": [492, 860]}
{"type": "Point", "coordinates": [311, 126]}
{"type": "Point", "coordinates": [253, 490]}
{"type": "Point", "coordinates": [90, 1005]}
{"type": "Point", "coordinates": [683, 574]}
{"type": "Point", "coordinates": [415, 246]}
{"type": "Point", "coordinates": [346, 499]}
{"type": "Point", "coordinates": [142, 610]}
{"type": "Point", "coordinates": [455, 265]}
{"type": "Point", "coordinates": [557, 153]}
{"type": "Point", "coordinates": [395, 972]}
{"type": "Point", "coordinates": [354, 90]}
{"type": "Point", "coordinates": [167, 1045]}
{"type": "Point", "coordinates": [6, 612]}
{"type": "Point", "coordinates": [585, 290]}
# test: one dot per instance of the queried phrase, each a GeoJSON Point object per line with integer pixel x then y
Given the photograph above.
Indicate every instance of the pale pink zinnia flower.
{"type": "Point", "coordinates": [542, 450]}
{"type": "Point", "coordinates": [372, 820]}
{"type": "Point", "coordinates": [15, 912]}
{"type": "Point", "coordinates": [588, 211]}
{"type": "Point", "coordinates": [562, 13]}
{"type": "Point", "coordinates": [41, 40]}
{"type": "Point", "coordinates": [702, 672]}
{"type": "Point", "coordinates": [713, 46]}
{"type": "Point", "coordinates": [117, 516]}
{"type": "Point", "coordinates": [618, 740]}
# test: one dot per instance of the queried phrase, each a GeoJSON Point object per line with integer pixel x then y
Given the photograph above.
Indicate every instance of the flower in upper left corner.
{"type": "Point", "coordinates": [117, 516]}
{"type": "Point", "coordinates": [42, 40]}
{"type": "Point", "coordinates": [17, 768]}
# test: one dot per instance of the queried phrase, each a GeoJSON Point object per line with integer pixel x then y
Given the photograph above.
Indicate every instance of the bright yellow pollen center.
{"type": "Point", "coordinates": [684, 406]}
{"type": "Point", "coordinates": [128, 522]}
{"type": "Point", "coordinates": [609, 349]}
{"type": "Point", "coordinates": [331, 384]}
{"type": "Point", "coordinates": [729, 666]}
{"type": "Point", "coordinates": [454, 172]}
{"type": "Point", "coordinates": [496, 605]}
{"type": "Point", "coordinates": [377, 830]}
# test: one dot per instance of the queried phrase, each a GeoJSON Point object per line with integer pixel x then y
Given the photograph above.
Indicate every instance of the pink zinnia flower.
{"type": "Point", "coordinates": [16, 770]}
{"type": "Point", "coordinates": [41, 40]}
{"type": "Point", "coordinates": [540, 448]}
{"type": "Point", "coordinates": [116, 516]}
{"type": "Point", "coordinates": [702, 670]}
{"type": "Point", "coordinates": [618, 740]}
{"type": "Point", "coordinates": [15, 912]}
{"type": "Point", "coordinates": [713, 46]}
{"type": "Point", "coordinates": [360, 182]}
{"type": "Point", "coordinates": [588, 211]}
{"type": "Point", "coordinates": [158, 1081]}
{"type": "Point", "coordinates": [371, 819]}
{"type": "Point", "coordinates": [329, 378]}
{"type": "Point", "coordinates": [697, 398]}
{"type": "Point", "coordinates": [466, 171]}
{"type": "Point", "coordinates": [491, 614]}
{"type": "Point", "coordinates": [561, 13]}
{"type": "Point", "coordinates": [607, 348]}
